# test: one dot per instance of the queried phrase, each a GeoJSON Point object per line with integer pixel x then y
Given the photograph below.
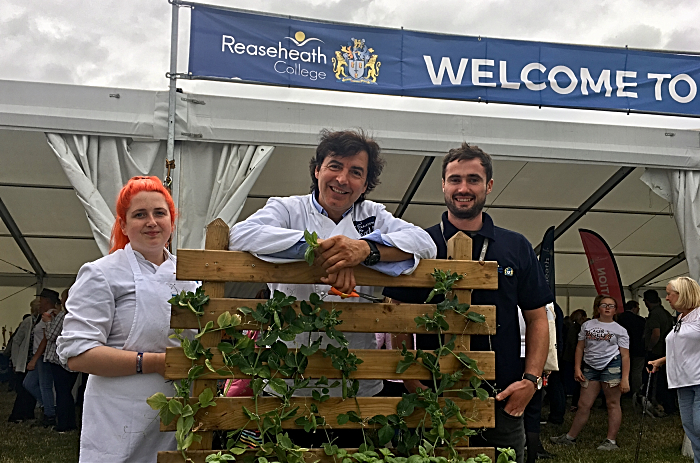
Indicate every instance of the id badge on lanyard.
{"type": "Point", "coordinates": [484, 247]}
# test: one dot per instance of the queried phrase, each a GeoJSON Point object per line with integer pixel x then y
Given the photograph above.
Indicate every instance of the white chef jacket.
{"type": "Point", "coordinates": [280, 224]}
{"type": "Point", "coordinates": [102, 303]}
{"type": "Point", "coordinates": [105, 308]}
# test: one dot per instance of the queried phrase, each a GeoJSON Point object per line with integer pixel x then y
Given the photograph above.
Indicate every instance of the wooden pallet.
{"type": "Point", "coordinates": [215, 266]}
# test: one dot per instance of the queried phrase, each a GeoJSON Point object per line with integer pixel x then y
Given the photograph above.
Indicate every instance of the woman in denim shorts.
{"type": "Point", "coordinates": [602, 361]}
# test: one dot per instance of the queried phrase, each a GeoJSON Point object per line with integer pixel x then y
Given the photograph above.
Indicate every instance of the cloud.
{"type": "Point", "coordinates": [639, 36]}
{"type": "Point", "coordinates": [126, 43]}
{"type": "Point", "coordinates": [684, 40]}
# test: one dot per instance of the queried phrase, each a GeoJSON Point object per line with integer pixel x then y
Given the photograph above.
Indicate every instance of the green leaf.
{"type": "Point", "coordinates": [175, 407]}
{"type": "Point", "coordinates": [278, 385]}
{"type": "Point", "coordinates": [187, 410]}
{"type": "Point", "coordinates": [157, 401]}
{"type": "Point", "coordinates": [188, 441]}
{"type": "Point", "coordinates": [225, 347]}
{"type": "Point", "coordinates": [330, 449]}
{"type": "Point", "coordinates": [404, 364]}
{"type": "Point", "coordinates": [476, 317]}
{"type": "Point", "coordinates": [206, 397]}
{"type": "Point", "coordinates": [309, 256]}
{"type": "Point", "coordinates": [224, 319]}
{"type": "Point", "coordinates": [406, 406]}
{"type": "Point", "coordinates": [237, 451]}
{"type": "Point", "coordinates": [482, 394]}
{"type": "Point", "coordinates": [308, 351]}
{"type": "Point", "coordinates": [386, 433]}
{"type": "Point", "coordinates": [342, 418]}
{"type": "Point", "coordinates": [279, 348]}
{"type": "Point", "coordinates": [208, 364]}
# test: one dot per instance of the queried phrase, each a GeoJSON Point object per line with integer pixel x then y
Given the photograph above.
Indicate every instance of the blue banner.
{"type": "Point", "coordinates": [227, 44]}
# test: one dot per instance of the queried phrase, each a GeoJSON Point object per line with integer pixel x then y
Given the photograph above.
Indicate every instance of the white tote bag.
{"type": "Point", "coordinates": [552, 364]}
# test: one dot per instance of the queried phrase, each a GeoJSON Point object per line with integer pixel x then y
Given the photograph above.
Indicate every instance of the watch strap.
{"type": "Point", "coordinates": [536, 380]}
{"type": "Point", "coordinates": [374, 255]}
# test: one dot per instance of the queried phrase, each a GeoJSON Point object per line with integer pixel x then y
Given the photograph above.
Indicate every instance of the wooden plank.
{"type": "Point", "coordinates": [195, 264]}
{"type": "Point", "coordinates": [378, 364]}
{"type": "Point", "coordinates": [357, 317]}
{"type": "Point", "coordinates": [216, 239]}
{"type": "Point", "coordinates": [228, 413]}
{"type": "Point", "coordinates": [313, 455]}
{"type": "Point", "coordinates": [460, 247]}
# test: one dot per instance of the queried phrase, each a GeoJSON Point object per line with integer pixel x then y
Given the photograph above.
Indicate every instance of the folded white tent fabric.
{"type": "Point", "coordinates": [214, 179]}
{"type": "Point", "coordinates": [98, 167]}
{"type": "Point", "coordinates": [681, 188]}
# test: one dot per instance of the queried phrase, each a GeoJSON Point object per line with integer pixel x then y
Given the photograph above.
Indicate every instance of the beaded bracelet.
{"type": "Point", "coordinates": [139, 363]}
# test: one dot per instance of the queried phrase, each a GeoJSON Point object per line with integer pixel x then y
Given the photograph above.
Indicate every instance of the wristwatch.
{"type": "Point", "coordinates": [374, 255]}
{"type": "Point", "coordinates": [537, 380]}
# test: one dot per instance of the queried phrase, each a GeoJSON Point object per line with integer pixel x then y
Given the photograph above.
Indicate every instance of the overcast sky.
{"type": "Point", "coordinates": [126, 43]}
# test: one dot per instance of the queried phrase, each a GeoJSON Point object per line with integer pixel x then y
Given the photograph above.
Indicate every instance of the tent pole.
{"type": "Point", "coordinates": [172, 75]}
{"type": "Point", "coordinates": [172, 94]}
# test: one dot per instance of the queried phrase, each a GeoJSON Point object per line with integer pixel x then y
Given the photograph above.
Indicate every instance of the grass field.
{"type": "Point", "coordinates": [661, 440]}
{"type": "Point", "coordinates": [24, 443]}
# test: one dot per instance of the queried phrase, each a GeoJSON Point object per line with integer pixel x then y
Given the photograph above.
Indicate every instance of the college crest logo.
{"type": "Point", "coordinates": [355, 62]}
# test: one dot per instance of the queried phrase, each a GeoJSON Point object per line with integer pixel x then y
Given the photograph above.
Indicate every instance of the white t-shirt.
{"type": "Point", "coordinates": [682, 346]}
{"type": "Point", "coordinates": [602, 342]}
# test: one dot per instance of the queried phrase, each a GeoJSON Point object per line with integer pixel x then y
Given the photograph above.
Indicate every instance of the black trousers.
{"type": "Point", "coordinates": [557, 398]}
{"type": "Point", "coordinates": [63, 381]}
{"type": "Point", "coordinates": [509, 432]}
{"type": "Point", "coordinates": [23, 408]}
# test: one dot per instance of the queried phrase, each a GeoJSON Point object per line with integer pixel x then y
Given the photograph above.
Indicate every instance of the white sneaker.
{"type": "Point", "coordinates": [563, 440]}
{"type": "Point", "coordinates": [608, 445]}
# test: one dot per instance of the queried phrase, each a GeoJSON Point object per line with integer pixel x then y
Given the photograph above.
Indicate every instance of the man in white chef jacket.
{"type": "Point", "coordinates": [352, 230]}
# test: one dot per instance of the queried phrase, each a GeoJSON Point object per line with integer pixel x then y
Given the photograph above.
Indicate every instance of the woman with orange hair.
{"type": "Point", "coordinates": [117, 329]}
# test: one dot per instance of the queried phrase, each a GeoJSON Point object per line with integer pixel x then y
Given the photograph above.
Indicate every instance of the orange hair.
{"type": "Point", "coordinates": [134, 186]}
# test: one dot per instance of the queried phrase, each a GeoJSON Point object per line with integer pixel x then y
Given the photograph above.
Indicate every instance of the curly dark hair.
{"type": "Point", "coordinates": [467, 152]}
{"type": "Point", "coordinates": [348, 143]}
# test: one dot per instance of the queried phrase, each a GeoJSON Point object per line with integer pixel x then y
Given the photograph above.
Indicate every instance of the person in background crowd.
{"type": "Point", "coordinates": [659, 323]}
{"type": "Point", "coordinates": [63, 378]}
{"type": "Point", "coordinates": [682, 362]}
{"type": "Point", "coordinates": [117, 329]}
{"type": "Point", "coordinates": [23, 408]}
{"type": "Point", "coordinates": [577, 318]}
{"type": "Point", "coordinates": [602, 361]}
{"type": "Point", "coordinates": [634, 324]}
{"type": "Point", "coordinates": [39, 380]}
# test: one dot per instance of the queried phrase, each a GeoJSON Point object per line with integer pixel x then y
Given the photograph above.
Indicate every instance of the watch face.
{"type": "Point", "coordinates": [373, 258]}
{"type": "Point", "coordinates": [539, 382]}
{"type": "Point", "coordinates": [374, 255]}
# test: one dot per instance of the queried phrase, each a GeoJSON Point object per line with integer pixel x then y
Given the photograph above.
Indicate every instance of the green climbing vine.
{"type": "Point", "coordinates": [268, 360]}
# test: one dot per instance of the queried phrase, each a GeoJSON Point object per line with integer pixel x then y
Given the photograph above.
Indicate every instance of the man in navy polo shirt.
{"type": "Point", "coordinates": [466, 181]}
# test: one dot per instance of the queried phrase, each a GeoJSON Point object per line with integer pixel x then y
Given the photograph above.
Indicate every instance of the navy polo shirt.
{"type": "Point", "coordinates": [521, 282]}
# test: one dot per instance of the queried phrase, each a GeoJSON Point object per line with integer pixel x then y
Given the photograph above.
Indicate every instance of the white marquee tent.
{"type": "Point", "coordinates": [567, 174]}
